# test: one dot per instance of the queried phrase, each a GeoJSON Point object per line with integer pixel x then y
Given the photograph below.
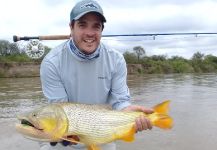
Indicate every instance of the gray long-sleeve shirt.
{"type": "Point", "coordinates": [66, 77]}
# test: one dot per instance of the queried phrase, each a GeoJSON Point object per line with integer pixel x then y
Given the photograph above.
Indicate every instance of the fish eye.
{"type": "Point", "coordinates": [34, 114]}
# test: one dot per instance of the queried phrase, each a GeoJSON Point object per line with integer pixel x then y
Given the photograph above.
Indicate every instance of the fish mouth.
{"type": "Point", "coordinates": [25, 122]}
{"type": "Point", "coordinates": [30, 131]}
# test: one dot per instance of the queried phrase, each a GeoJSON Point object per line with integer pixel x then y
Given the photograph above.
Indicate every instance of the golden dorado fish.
{"type": "Point", "coordinates": [93, 124]}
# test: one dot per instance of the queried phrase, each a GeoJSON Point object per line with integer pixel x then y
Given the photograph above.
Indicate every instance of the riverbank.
{"type": "Point", "coordinates": [19, 70]}
{"type": "Point", "coordinates": [32, 69]}
{"type": "Point", "coordinates": [22, 66]}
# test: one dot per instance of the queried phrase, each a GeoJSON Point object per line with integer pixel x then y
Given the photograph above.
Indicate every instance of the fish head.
{"type": "Point", "coordinates": [48, 123]}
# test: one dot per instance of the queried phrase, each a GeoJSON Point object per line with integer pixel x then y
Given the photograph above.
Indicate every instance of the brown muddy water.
{"type": "Point", "coordinates": [193, 107]}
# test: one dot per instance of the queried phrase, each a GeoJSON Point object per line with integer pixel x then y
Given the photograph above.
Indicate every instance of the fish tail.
{"type": "Point", "coordinates": [163, 121]}
{"type": "Point", "coordinates": [162, 108]}
{"type": "Point", "coordinates": [161, 117]}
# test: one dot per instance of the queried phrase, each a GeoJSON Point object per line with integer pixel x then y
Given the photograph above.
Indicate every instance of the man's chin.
{"type": "Point", "coordinates": [88, 51]}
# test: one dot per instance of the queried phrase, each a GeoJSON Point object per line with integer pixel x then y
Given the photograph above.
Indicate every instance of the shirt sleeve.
{"type": "Point", "coordinates": [119, 96]}
{"type": "Point", "coordinates": [52, 85]}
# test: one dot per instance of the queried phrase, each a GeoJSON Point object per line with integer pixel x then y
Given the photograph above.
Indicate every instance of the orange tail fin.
{"type": "Point", "coordinates": [162, 119]}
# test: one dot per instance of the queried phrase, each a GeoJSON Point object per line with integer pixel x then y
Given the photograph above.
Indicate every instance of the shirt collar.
{"type": "Point", "coordinates": [81, 55]}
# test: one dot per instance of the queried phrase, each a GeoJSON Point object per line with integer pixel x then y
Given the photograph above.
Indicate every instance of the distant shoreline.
{"type": "Point", "coordinates": [32, 69]}
{"type": "Point", "coordinates": [19, 69]}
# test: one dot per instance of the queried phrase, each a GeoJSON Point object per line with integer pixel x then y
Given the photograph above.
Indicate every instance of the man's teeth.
{"type": "Point", "coordinates": [89, 41]}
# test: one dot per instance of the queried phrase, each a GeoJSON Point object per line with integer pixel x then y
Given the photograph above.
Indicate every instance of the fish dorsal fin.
{"type": "Point", "coordinates": [162, 108]}
{"type": "Point", "coordinates": [93, 147]}
{"type": "Point", "coordinates": [125, 133]}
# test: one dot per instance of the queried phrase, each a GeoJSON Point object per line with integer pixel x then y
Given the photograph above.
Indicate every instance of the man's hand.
{"type": "Point", "coordinates": [141, 123]}
{"type": "Point", "coordinates": [66, 143]}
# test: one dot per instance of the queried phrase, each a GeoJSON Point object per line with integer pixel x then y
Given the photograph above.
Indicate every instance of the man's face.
{"type": "Point", "coordinates": [86, 32]}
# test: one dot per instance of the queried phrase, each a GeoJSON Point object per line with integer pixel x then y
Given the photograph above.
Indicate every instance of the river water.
{"type": "Point", "coordinates": [193, 107]}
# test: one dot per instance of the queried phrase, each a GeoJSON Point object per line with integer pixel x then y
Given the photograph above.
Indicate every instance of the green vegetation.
{"type": "Point", "coordinates": [15, 63]}
{"type": "Point", "coordinates": [199, 63]}
{"type": "Point", "coordinates": [137, 61]}
{"type": "Point", "coordinates": [10, 52]}
{"type": "Point", "coordinates": [15, 58]}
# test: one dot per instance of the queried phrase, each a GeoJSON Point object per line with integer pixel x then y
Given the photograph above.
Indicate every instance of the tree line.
{"type": "Point", "coordinates": [11, 52]}
{"type": "Point", "coordinates": [199, 62]}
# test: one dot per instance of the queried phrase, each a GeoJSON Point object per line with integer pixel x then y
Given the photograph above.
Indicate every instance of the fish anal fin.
{"type": "Point", "coordinates": [93, 147]}
{"type": "Point", "coordinates": [162, 108]}
{"type": "Point", "coordinates": [129, 136]}
{"type": "Point", "coordinates": [126, 133]}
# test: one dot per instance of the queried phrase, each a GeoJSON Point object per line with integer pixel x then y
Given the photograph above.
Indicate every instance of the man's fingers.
{"type": "Point", "coordinates": [139, 126]}
{"type": "Point", "coordinates": [139, 108]}
{"type": "Point", "coordinates": [73, 138]}
{"type": "Point", "coordinates": [149, 124]}
{"type": "Point", "coordinates": [143, 123]}
{"type": "Point", "coordinates": [66, 143]}
{"type": "Point", "coordinates": [53, 143]}
{"type": "Point", "coordinates": [147, 110]}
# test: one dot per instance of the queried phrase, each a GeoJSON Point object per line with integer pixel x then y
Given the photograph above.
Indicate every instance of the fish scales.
{"type": "Point", "coordinates": [97, 122]}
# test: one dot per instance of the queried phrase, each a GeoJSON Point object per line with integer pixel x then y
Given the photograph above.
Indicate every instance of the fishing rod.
{"type": "Point", "coordinates": [35, 50]}
{"type": "Point", "coordinates": [63, 37]}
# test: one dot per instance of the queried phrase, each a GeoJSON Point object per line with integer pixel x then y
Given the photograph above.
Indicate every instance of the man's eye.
{"type": "Point", "coordinates": [98, 27]}
{"type": "Point", "coordinates": [81, 25]}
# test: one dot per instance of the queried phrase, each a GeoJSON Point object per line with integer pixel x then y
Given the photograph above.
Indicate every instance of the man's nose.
{"type": "Point", "coordinates": [90, 32]}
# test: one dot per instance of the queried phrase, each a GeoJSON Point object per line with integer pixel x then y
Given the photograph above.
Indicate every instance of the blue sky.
{"type": "Point", "coordinates": [50, 17]}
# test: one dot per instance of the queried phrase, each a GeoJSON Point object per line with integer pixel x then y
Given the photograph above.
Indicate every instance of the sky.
{"type": "Point", "coordinates": [51, 17]}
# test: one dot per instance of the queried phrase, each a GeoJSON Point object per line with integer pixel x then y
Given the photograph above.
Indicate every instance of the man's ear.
{"type": "Point", "coordinates": [71, 25]}
{"type": "Point", "coordinates": [103, 26]}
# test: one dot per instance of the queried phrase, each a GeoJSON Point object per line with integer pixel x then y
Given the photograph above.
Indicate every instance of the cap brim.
{"type": "Point", "coordinates": [84, 13]}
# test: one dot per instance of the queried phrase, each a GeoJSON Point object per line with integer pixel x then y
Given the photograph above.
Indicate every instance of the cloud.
{"type": "Point", "coordinates": [163, 18]}
{"type": "Point", "coordinates": [46, 17]}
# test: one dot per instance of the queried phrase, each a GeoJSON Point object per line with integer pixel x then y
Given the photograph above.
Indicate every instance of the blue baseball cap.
{"type": "Point", "coordinates": [86, 6]}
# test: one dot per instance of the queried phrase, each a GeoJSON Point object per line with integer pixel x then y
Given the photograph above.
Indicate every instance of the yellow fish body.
{"type": "Point", "coordinates": [93, 124]}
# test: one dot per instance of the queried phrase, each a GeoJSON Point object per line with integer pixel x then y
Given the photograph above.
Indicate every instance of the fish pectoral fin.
{"type": "Point", "coordinates": [71, 140]}
{"type": "Point", "coordinates": [126, 133]}
{"type": "Point", "coordinates": [93, 147]}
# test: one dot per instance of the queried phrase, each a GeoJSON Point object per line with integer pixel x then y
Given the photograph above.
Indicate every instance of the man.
{"type": "Point", "coordinates": [84, 70]}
